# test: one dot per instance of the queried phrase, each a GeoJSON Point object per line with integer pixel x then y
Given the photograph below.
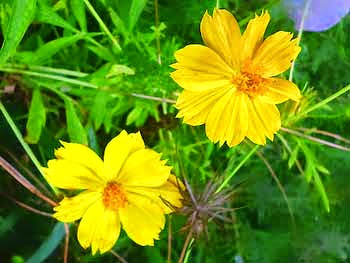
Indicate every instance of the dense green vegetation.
{"type": "Point", "coordinates": [83, 71]}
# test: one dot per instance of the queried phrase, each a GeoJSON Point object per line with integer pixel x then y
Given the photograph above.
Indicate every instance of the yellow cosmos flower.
{"type": "Point", "coordinates": [229, 84]}
{"type": "Point", "coordinates": [129, 187]}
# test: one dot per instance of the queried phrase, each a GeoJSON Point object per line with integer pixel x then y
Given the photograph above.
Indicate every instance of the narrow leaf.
{"type": "Point", "coordinates": [36, 119]}
{"type": "Point", "coordinates": [78, 8]}
{"type": "Point", "coordinates": [22, 16]}
{"type": "Point", "coordinates": [135, 11]}
{"type": "Point", "coordinates": [75, 129]}
{"type": "Point", "coordinates": [49, 245]}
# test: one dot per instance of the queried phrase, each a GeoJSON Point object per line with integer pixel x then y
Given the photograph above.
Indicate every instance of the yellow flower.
{"type": "Point", "coordinates": [129, 187]}
{"type": "Point", "coordinates": [229, 84]}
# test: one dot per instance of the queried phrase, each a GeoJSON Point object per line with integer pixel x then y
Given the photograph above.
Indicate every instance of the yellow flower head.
{"type": "Point", "coordinates": [229, 84]}
{"type": "Point", "coordinates": [129, 187]}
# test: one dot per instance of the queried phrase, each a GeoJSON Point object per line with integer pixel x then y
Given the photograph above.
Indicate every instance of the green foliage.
{"type": "Point", "coordinates": [84, 70]}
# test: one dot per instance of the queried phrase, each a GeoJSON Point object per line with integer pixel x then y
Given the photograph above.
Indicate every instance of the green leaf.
{"type": "Point", "coordinates": [22, 16]}
{"type": "Point", "coordinates": [49, 245]}
{"type": "Point", "coordinates": [99, 109]}
{"type": "Point", "coordinates": [47, 14]}
{"type": "Point", "coordinates": [78, 8]}
{"type": "Point", "coordinates": [75, 129]}
{"type": "Point", "coordinates": [118, 69]}
{"type": "Point", "coordinates": [321, 190]}
{"type": "Point", "coordinates": [51, 48]}
{"type": "Point", "coordinates": [36, 119]}
{"type": "Point", "coordinates": [293, 157]}
{"type": "Point", "coordinates": [135, 11]}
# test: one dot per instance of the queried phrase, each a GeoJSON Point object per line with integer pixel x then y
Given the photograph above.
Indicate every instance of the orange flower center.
{"type": "Point", "coordinates": [114, 196]}
{"type": "Point", "coordinates": [250, 83]}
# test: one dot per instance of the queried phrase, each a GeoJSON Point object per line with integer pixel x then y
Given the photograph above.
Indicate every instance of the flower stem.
{"type": "Point", "coordinates": [245, 159]}
{"type": "Point", "coordinates": [25, 146]}
{"type": "Point", "coordinates": [184, 248]}
{"type": "Point", "coordinates": [102, 24]}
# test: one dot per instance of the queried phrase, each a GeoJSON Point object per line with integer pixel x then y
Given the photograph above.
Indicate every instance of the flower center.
{"type": "Point", "coordinates": [114, 196]}
{"type": "Point", "coordinates": [250, 83]}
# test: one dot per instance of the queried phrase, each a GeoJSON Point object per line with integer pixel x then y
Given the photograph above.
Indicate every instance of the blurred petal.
{"type": "Point", "coordinates": [253, 35]}
{"type": "Point", "coordinates": [73, 208]}
{"type": "Point", "coordinates": [264, 120]}
{"type": "Point", "coordinates": [142, 219]}
{"type": "Point", "coordinates": [119, 149]}
{"type": "Point", "coordinates": [81, 154]}
{"type": "Point", "coordinates": [199, 69]}
{"type": "Point", "coordinates": [321, 14]}
{"type": "Point", "coordinates": [221, 33]}
{"type": "Point", "coordinates": [70, 175]}
{"type": "Point", "coordinates": [167, 196]}
{"type": "Point", "coordinates": [194, 107]}
{"type": "Point", "coordinates": [99, 228]}
{"type": "Point", "coordinates": [280, 90]}
{"type": "Point", "coordinates": [144, 168]}
{"type": "Point", "coordinates": [276, 53]}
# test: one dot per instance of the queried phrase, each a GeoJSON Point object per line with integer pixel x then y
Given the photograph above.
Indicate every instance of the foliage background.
{"type": "Point", "coordinates": [68, 79]}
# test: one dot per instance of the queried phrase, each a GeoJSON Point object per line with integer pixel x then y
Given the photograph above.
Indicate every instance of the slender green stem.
{"type": "Point", "coordinates": [218, 4]}
{"type": "Point", "coordinates": [327, 100]}
{"type": "Point", "coordinates": [20, 138]}
{"type": "Point", "coordinates": [245, 159]}
{"type": "Point", "coordinates": [49, 76]}
{"type": "Point", "coordinates": [102, 24]}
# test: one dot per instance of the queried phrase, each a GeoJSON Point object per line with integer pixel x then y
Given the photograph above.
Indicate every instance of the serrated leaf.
{"type": "Point", "coordinates": [76, 131]}
{"type": "Point", "coordinates": [22, 16]}
{"type": "Point", "coordinates": [36, 118]}
{"type": "Point", "coordinates": [49, 245]}
{"type": "Point", "coordinates": [78, 9]}
{"type": "Point", "coordinates": [118, 69]}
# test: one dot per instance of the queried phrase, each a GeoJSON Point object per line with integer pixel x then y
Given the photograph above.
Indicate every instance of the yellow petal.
{"type": "Point", "coordinates": [199, 69]}
{"type": "Point", "coordinates": [253, 35]}
{"type": "Point", "coordinates": [276, 53]}
{"type": "Point", "coordinates": [142, 219]}
{"type": "Point", "coordinates": [80, 154]}
{"type": "Point", "coordinates": [263, 121]}
{"type": "Point", "coordinates": [70, 175]}
{"type": "Point", "coordinates": [144, 168]}
{"type": "Point", "coordinates": [237, 125]}
{"type": "Point", "coordinates": [195, 106]}
{"type": "Point", "coordinates": [227, 120]}
{"type": "Point", "coordinates": [99, 228]}
{"type": "Point", "coordinates": [222, 34]}
{"type": "Point", "coordinates": [168, 195]}
{"type": "Point", "coordinates": [280, 90]}
{"type": "Point", "coordinates": [73, 208]}
{"type": "Point", "coordinates": [119, 149]}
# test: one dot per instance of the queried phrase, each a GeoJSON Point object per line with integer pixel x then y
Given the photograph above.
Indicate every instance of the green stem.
{"type": "Point", "coordinates": [20, 138]}
{"type": "Point", "coordinates": [49, 76]}
{"type": "Point", "coordinates": [102, 24]}
{"type": "Point", "coordinates": [228, 178]}
{"type": "Point", "coordinates": [327, 100]}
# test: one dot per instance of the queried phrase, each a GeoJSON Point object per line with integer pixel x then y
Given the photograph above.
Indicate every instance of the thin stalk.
{"type": "Point", "coordinates": [300, 33]}
{"type": "Point", "coordinates": [25, 206]}
{"type": "Point", "coordinates": [60, 71]}
{"type": "Point", "coordinates": [66, 243]}
{"type": "Point", "coordinates": [325, 101]}
{"type": "Point", "coordinates": [20, 138]}
{"type": "Point", "coordinates": [169, 239]}
{"type": "Point", "coordinates": [217, 5]}
{"type": "Point", "coordinates": [326, 133]}
{"type": "Point", "coordinates": [280, 187]}
{"type": "Point", "coordinates": [156, 11]}
{"type": "Point", "coordinates": [119, 257]}
{"type": "Point", "coordinates": [24, 182]}
{"type": "Point", "coordinates": [102, 24]}
{"type": "Point", "coordinates": [317, 140]}
{"type": "Point", "coordinates": [184, 248]}
{"type": "Point", "coordinates": [245, 159]}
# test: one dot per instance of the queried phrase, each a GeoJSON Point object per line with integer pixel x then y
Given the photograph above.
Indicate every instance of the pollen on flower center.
{"type": "Point", "coordinates": [250, 83]}
{"type": "Point", "coordinates": [114, 196]}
